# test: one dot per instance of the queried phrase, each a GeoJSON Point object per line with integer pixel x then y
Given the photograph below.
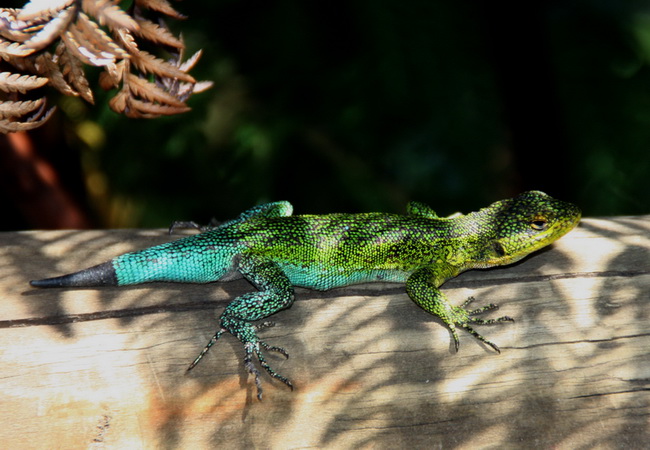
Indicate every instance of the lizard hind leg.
{"type": "Point", "coordinates": [251, 348]}
{"type": "Point", "coordinates": [247, 334]}
{"type": "Point", "coordinates": [275, 294]}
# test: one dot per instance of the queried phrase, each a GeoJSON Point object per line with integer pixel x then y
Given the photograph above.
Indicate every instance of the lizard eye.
{"type": "Point", "coordinates": [539, 225]}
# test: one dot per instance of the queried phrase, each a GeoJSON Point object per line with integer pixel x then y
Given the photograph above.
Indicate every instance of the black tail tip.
{"type": "Point", "coordinates": [40, 283]}
{"type": "Point", "coordinates": [100, 275]}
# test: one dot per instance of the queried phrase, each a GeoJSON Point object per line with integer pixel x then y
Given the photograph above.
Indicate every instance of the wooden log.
{"type": "Point", "coordinates": [105, 368]}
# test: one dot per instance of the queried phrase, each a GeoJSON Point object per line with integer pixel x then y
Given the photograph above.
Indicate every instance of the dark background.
{"type": "Point", "coordinates": [352, 106]}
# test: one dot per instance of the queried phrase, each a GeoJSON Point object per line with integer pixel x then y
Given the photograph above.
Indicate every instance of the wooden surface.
{"type": "Point", "coordinates": [104, 368]}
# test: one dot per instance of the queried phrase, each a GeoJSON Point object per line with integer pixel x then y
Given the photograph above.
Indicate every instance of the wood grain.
{"type": "Point", "coordinates": [104, 368]}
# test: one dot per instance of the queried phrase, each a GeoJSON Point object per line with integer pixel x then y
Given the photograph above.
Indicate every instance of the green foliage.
{"type": "Point", "coordinates": [359, 106]}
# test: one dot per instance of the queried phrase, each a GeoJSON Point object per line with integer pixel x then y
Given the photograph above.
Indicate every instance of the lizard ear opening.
{"type": "Point", "coordinates": [498, 249]}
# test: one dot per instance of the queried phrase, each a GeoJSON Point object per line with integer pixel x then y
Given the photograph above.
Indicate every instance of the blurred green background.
{"type": "Point", "coordinates": [352, 106]}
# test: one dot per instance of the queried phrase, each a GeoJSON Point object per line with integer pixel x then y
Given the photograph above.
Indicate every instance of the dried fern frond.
{"type": "Point", "coordinates": [9, 50]}
{"type": "Point", "coordinates": [162, 6]}
{"type": "Point", "coordinates": [17, 109]}
{"type": "Point", "coordinates": [39, 9]}
{"type": "Point", "coordinates": [124, 102]}
{"type": "Point", "coordinates": [156, 33]}
{"type": "Point", "coordinates": [51, 30]}
{"type": "Point", "coordinates": [91, 44]}
{"type": "Point", "coordinates": [29, 123]}
{"type": "Point", "coordinates": [108, 13]}
{"type": "Point", "coordinates": [73, 72]}
{"type": "Point", "coordinates": [150, 92]}
{"type": "Point", "coordinates": [15, 82]}
{"type": "Point", "coordinates": [98, 38]}
{"type": "Point", "coordinates": [10, 27]}
{"type": "Point", "coordinates": [140, 98]}
{"type": "Point", "coordinates": [51, 42]}
{"type": "Point", "coordinates": [50, 69]}
{"type": "Point", "coordinates": [112, 75]}
{"type": "Point", "coordinates": [190, 62]}
{"type": "Point", "coordinates": [148, 63]}
{"type": "Point", "coordinates": [200, 86]}
{"type": "Point", "coordinates": [184, 90]}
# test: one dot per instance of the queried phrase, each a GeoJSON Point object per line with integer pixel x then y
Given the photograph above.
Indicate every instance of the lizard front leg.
{"type": "Point", "coordinates": [275, 293]}
{"type": "Point", "coordinates": [423, 291]}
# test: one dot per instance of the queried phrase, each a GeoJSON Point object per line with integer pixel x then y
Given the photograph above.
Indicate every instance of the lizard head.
{"type": "Point", "coordinates": [524, 224]}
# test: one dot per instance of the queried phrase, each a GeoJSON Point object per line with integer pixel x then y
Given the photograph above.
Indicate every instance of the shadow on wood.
{"type": "Point", "coordinates": [84, 367]}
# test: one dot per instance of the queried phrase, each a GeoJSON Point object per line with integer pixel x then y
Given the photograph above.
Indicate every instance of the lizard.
{"type": "Point", "coordinates": [277, 251]}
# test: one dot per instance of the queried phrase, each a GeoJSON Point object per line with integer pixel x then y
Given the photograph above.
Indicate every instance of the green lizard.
{"type": "Point", "coordinates": [276, 251]}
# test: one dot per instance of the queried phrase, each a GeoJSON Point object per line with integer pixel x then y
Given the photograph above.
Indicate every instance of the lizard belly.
{"type": "Point", "coordinates": [323, 277]}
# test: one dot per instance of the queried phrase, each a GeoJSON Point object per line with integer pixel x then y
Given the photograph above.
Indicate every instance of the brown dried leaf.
{"type": "Point", "coordinates": [8, 126]}
{"type": "Point", "coordinates": [125, 103]}
{"type": "Point", "coordinates": [191, 61]}
{"type": "Point", "coordinates": [52, 30]}
{"type": "Point", "coordinates": [10, 109]}
{"type": "Point", "coordinates": [119, 102]}
{"type": "Point", "coordinates": [150, 92]}
{"type": "Point", "coordinates": [162, 6]}
{"type": "Point", "coordinates": [109, 13]}
{"type": "Point", "coordinates": [48, 68]}
{"type": "Point", "coordinates": [112, 75]}
{"type": "Point", "coordinates": [35, 121]}
{"type": "Point", "coordinates": [147, 62]}
{"type": "Point", "coordinates": [84, 50]}
{"type": "Point", "coordinates": [23, 63]}
{"type": "Point", "coordinates": [73, 46]}
{"type": "Point", "coordinates": [107, 81]}
{"type": "Point", "coordinates": [155, 33]}
{"type": "Point", "coordinates": [73, 70]}
{"type": "Point", "coordinates": [15, 82]}
{"type": "Point", "coordinates": [185, 90]}
{"type": "Point", "coordinates": [94, 56]}
{"type": "Point", "coordinates": [37, 9]}
{"type": "Point", "coordinates": [97, 38]}
{"type": "Point", "coordinates": [202, 86]}
{"type": "Point", "coordinates": [14, 49]}
{"type": "Point", "coordinates": [12, 28]}
{"type": "Point", "coordinates": [140, 109]}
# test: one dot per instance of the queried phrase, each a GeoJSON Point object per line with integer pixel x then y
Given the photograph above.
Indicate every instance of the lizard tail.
{"type": "Point", "coordinates": [100, 275]}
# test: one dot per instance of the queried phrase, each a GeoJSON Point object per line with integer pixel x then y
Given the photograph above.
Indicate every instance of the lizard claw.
{"type": "Point", "coordinates": [250, 367]}
{"type": "Point", "coordinates": [250, 349]}
{"type": "Point", "coordinates": [280, 350]}
{"type": "Point", "coordinates": [205, 350]}
{"type": "Point", "coordinates": [248, 364]}
{"type": "Point", "coordinates": [484, 309]}
{"type": "Point", "coordinates": [466, 319]}
{"type": "Point", "coordinates": [473, 332]}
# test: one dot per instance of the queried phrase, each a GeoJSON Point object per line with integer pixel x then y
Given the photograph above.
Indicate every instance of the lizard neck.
{"type": "Point", "coordinates": [473, 242]}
